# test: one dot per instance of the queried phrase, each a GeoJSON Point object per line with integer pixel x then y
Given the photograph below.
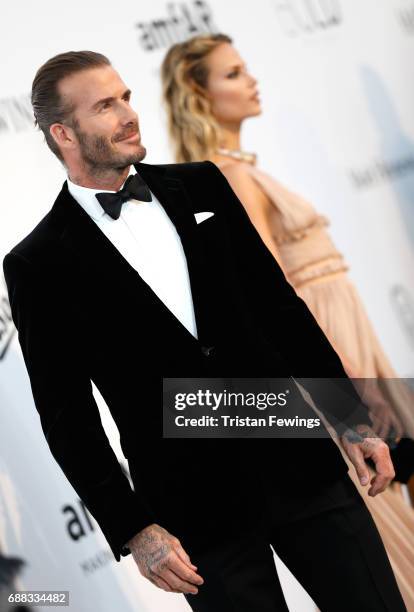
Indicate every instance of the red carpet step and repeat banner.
{"type": "Point", "coordinates": [337, 89]}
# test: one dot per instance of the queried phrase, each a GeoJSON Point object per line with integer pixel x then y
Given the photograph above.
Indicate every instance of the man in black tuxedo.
{"type": "Point", "coordinates": [167, 277]}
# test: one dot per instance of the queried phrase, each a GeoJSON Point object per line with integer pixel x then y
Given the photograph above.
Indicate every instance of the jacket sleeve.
{"type": "Point", "coordinates": [284, 315]}
{"type": "Point", "coordinates": [50, 337]}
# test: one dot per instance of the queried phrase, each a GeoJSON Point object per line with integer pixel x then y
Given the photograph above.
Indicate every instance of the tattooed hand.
{"type": "Point", "coordinates": [161, 558]}
{"type": "Point", "coordinates": [363, 444]}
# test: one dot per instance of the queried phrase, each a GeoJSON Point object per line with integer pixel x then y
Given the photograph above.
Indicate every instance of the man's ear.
{"type": "Point", "coordinates": [63, 135]}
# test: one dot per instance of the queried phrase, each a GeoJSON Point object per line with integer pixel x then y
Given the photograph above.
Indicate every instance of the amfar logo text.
{"type": "Point", "coordinates": [308, 16]}
{"type": "Point", "coordinates": [183, 21]}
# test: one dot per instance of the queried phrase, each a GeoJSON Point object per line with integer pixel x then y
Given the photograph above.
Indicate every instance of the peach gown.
{"type": "Point", "coordinates": [318, 273]}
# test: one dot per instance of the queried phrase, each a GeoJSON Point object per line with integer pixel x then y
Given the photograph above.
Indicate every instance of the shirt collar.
{"type": "Point", "coordinates": [85, 196]}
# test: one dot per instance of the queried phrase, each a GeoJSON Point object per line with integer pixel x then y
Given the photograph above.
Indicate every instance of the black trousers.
{"type": "Point", "coordinates": [328, 540]}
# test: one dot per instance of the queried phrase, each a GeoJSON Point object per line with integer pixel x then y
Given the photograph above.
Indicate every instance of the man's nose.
{"type": "Point", "coordinates": [129, 116]}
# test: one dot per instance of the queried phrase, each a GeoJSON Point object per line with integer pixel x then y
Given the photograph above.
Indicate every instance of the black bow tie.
{"type": "Point", "coordinates": [134, 187]}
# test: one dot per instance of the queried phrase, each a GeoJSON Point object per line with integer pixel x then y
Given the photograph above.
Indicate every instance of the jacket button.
{"type": "Point", "coordinates": [207, 350]}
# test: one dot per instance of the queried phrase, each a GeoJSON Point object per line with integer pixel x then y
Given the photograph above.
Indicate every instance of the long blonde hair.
{"type": "Point", "coordinates": [193, 130]}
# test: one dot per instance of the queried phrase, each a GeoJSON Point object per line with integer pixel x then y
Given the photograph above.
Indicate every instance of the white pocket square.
{"type": "Point", "coordinates": [202, 216]}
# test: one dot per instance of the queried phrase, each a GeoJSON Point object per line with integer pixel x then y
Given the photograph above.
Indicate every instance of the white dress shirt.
{"type": "Point", "coordinates": [146, 237]}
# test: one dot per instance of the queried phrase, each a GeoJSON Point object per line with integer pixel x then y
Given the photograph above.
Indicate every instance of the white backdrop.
{"type": "Point", "coordinates": [337, 87]}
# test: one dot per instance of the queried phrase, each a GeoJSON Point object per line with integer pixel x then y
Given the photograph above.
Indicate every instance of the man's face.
{"type": "Point", "coordinates": [105, 125]}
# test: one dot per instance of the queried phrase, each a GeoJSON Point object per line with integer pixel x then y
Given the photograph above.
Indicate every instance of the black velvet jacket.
{"type": "Point", "coordinates": [84, 314]}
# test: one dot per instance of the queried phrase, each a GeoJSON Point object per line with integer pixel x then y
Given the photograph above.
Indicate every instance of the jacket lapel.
{"type": "Point", "coordinates": [82, 236]}
{"type": "Point", "coordinates": [172, 195]}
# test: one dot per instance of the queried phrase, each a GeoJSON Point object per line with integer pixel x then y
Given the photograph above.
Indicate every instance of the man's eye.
{"type": "Point", "coordinates": [233, 74]}
{"type": "Point", "coordinates": [106, 105]}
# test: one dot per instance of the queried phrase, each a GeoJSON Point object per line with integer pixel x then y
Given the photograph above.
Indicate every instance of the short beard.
{"type": "Point", "coordinates": [98, 155]}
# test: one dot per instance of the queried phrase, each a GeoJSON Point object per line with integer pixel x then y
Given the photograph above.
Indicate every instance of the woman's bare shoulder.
{"type": "Point", "coordinates": [239, 173]}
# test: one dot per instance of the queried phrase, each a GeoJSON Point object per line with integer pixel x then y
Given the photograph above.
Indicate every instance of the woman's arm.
{"type": "Point", "coordinates": [255, 201]}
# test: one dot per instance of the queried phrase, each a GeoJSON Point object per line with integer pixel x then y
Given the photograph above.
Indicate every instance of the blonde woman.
{"type": "Point", "coordinates": [208, 93]}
